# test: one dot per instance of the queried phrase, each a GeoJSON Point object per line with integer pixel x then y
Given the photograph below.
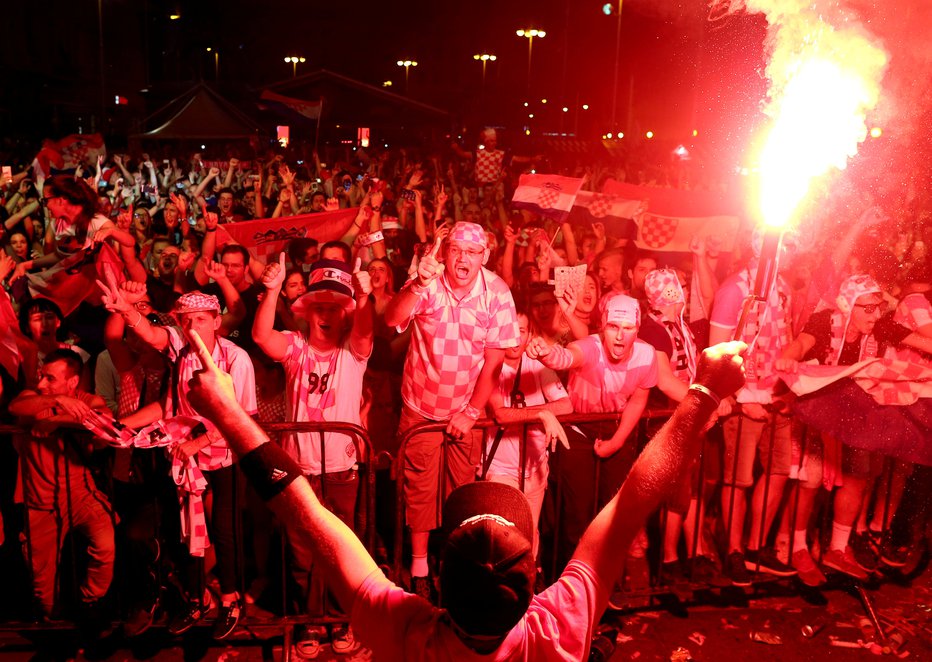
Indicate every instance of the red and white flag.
{"type": "Point", "coordinates": [73, 280]}
{"type": "Point", "coordinates": [616, 213]}
{"type": "Point", "coordinates": [548, 195]}
{"type": "Point", "coordinates": [265, 238]}
{"type": "Point", "coordinates": [310, 109]}
{"type": "Point", "coordinates": [673, 216]}
{"type": "Point", "coordinates": [68, 153]}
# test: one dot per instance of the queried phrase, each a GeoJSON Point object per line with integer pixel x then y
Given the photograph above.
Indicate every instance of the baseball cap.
{"type": "Point", "coordinates": [620, 309]}
{"type": "Point", "coordinates": [487, 565]}
{"type": "Point", "coordinates": [330, 281]}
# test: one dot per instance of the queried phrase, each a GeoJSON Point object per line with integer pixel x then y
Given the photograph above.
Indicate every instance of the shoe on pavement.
{"type": "Point", "coordinates": [140, 619]}
{"type": "Point", "coordinates": [342, 641]}
{"type": "Point", "coordinates": [865, 554]}
{"type": "Point", "coordinates": [736, 570]}
{"type": "Point", "coordinates": [764, 560]}
{"type": "Point", "coordinates": [307, 641]}
{"type": "Point", "coordinates": [808, 572]}
{"type": "Point", "coordinates": [671, 572]}
{"type": "Point", "coordinates": [183, 622]}
{"type": "Point", "coordinates": [844, 562]}
{"type": "Point", "coordinates": [891, 554]}
{"type": "Point", "coordinates": [227, 620]}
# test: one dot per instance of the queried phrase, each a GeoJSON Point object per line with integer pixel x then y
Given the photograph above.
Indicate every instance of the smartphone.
{"type": "Point", "coordinates": [7, 176]}
{"type": "Point", "coordinates": [359, 178]}
{"type": "Point", "coordinates": [179, 185]}
{"type": "Point", "coordinates": [408, 194]}
{"type": "Point", "coordinates": [347, 186]}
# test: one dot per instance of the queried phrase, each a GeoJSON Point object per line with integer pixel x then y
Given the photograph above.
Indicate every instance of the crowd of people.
{"type": "Point", "coordinates": [437, 305]}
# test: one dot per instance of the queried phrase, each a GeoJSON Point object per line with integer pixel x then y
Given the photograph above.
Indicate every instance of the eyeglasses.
{"type": "Point", "coordinates": [45, 201]}
{"type": "Point", "coordinates": [455, 252]}
{"type": "Point", "coordinates": [870, 308]}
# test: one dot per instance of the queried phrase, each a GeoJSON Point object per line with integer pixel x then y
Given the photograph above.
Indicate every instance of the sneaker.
{"type": "Point", "coordinates": [423, 587]}
{"type": "Point", "coordinates": [809, 573]}
{"type": "Point", "coordinates": [183, 622]}
{"type": "Point", "coordinates": [891, 554]}
{"type": "Point", "coordinates": [307, 641]}
{"type": "Point", "coordinates": [705, 571]}
{"type": "Point", "coordinates": [139, 620]}
{"type": "Point", "coordinates": [342, 640]}
{"type": "Point", "coordinates": [844, 562]}
{"type": "Point", "coordinates": [736, 570]}
{"type": "Point", "coordinates": [764, 560]}
{"type": "Point", "coordinates": [227, 620]}
{"type": "Point", "coordinates": [862, 546]}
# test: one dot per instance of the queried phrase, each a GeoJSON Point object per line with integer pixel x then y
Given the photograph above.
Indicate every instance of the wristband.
{"type": "Point", "coordinates": [416, 288]}
{"type": "Point", "coordinates": [559, 358]}
{"type": "Point", "coordinates": [471, 412]}
{"type": "Point", "coordinates": [372, 238]}
{"type": "Point", "coordinates": [699, 388]}
{"type": "Point", "coordinates": [210, 229]}
{"type": "Point", "coordinates": [270, 470]}
{"type": "Point", "coordinates": [133, 326]}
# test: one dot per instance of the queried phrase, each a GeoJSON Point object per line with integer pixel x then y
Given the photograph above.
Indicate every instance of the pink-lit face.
{"type": "Point", "coordinates": [463, 261]}
{"type": "Point", "coordinates": [294, 286]}
{"type": "Point", "coordinates": [618, 340]}
{"type": "Point", "coordinates": [524, 334]}
{"type": "Point", "coordinates": [378, 272]}
{"type": "Point", "coordinates": [589, 297]}
{"type": "Point", "coordinates": [20, 245]}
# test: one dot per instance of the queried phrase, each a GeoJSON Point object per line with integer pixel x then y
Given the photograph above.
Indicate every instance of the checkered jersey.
{"type": "Point", "coordinates": [232, 360]}
{"type": "Point", "coordinates": [600, 385]}
{"type": "Point", "coordinates": [914, 312]}
{"type": "Point", "coordinates": [322, 386]}
{"type": "Point", "coordinates": [449, 340]}
{"type": "Point", "coordinates": [489, 165]}
{"type": "Point", "coordinates": [766, 330]}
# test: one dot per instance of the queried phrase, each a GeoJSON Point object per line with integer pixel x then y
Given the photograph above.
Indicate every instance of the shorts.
{"type": "Point", "coordinates": [755, 436]}
{"type": "Point", "coordinates": [426, 457]}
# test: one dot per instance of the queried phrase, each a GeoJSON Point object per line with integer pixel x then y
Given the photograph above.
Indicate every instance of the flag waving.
{"type": "Point", "coordinates": [548, 195]}
{"type": "Point", "coordinates": [270, 236]}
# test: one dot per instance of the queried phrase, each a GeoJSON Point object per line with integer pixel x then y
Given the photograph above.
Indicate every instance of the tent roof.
{"type": "Point", "coordinates": [202, 114]}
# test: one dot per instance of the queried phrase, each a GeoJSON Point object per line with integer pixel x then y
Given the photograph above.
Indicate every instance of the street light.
{"type": "Point", "coordinates": [293, 61]}
{"type": "Point", "coordinates": [407, 64]}
{"type": "Point", "coordinates": [529, 34]}
{"type": "Point", "coordinates": [216, 62]}
{"type": "Point", "coordinates": [484, 58]}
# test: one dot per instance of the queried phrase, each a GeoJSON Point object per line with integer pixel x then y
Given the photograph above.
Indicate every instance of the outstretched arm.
{"type": "Point", "coordinates": [344, 560]}
{"type": "Point", "coordinates": [660, 466]}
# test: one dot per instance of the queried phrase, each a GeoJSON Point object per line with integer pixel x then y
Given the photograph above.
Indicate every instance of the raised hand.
{"type": "Point", "coordinates": [362, 281]}
{"type": "Point", "coordinates": [538, 348]}
{"type": "Point", "coordinates": [211, 390]}
{"type": "Point", "coordinates": [215, 271]}
{"type": "Point", "coordinates": [274, 274]}
{"type": "Point", "coordinates": [430, 267]}
{"type": "Point", "coordinates": [568, 301]}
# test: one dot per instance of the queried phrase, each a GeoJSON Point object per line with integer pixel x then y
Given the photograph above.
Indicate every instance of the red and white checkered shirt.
{"type": "Point", "coordinates": [489, 165]}
{"type": "Point", "coordinates": [449, 341]}
{"type": "Point", "coordinates": [600, 385]}
{"type": "Point", "coordinates": [914, 312]}
{"type": "Point", "coordinates": [232, 360]}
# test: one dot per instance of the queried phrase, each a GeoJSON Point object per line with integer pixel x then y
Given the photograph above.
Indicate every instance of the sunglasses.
{"type": "Point", "coordinates": [870, 308]}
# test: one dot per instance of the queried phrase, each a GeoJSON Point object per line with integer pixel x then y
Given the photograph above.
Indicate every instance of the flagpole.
{"type": "Point", "coordinates": [320, 111]}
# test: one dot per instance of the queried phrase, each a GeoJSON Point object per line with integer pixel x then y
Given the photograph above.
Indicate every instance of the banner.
{"type": "Point", "coordinates": [309, 109]}
{"type": "Point", "coordinates": [68, 153]}
{"type": "Point", "coordinates": [673, 216]}
{"type": "Point", "coordinates": [548, 195]}
{"type": "Point", "coordinates": [267, 237]}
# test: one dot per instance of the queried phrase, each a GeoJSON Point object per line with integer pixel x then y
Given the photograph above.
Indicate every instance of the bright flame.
{"type": "Point", "coordinates": [823, 81]}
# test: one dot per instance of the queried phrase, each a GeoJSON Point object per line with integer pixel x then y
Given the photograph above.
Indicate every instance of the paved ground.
{"type": "Point", "coordinates": [710, 626]}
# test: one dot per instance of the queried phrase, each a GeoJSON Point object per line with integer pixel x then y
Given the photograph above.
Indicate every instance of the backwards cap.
{"type": "Point", "coordinates": [488, 566]}
{"type": "Point", "coordinates": [330, 281]}
{"type": "Point", "coordinates": [621, 308]}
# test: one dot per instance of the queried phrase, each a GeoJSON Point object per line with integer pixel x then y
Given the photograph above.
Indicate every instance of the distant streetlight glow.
{"type": "Point", "coordinates": [529, 34]}
{"type": "Point", "coordinates": [293, 60]}
{"type": "Point", "coordinates": [387, 83]}
{"type": "Point", "coordinates": [174, 17]}
{"type": "Point", "coordinates": [585, 106]}
{"type": "Point", "coordinates": [695, 132]}
{"type": "Point", "coordinates": [565, 109]}
{"type": "Point", "coordinates": [484, 58]}
{"type": "Point", "coordinates": [649, 134]}
{"type": "Point", "coordinates": [608, 135]}
{"type": "Point", "coordinates": [407, 64]}
{"type": "Point", "coordinates": [876, 132]}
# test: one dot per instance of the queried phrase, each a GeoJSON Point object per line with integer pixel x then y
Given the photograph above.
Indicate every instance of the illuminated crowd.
{"type": "Point", "coordinates": [440, 303]}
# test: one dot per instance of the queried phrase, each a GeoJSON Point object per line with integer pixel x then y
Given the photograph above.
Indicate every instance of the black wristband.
{"type": "Point", "coordinates": [270, 470]}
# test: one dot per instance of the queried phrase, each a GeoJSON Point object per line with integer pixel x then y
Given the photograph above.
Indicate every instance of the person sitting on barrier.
{"type": "Point", "coordinates": [854, 331]}
{"type": "Point", "coordinates": [489, 610]}
{"type": "Point", "coordinates": [531, 394]}
{"type": "Point", "coordinates": [609, 372]}
{"type": "Point", "coordinates": [463, 321]}
{"type": "Point", "coordinates": [674, 342]}
{"type": "Point", "coordinates": [324, 372]}
{"type": "Point", "coordinates": [58, 488]}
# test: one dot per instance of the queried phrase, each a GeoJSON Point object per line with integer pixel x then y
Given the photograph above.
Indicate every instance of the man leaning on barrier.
{"type": "Point", "coordinates": [488, 609]}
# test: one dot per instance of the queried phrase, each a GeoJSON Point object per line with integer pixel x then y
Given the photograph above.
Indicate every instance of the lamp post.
{"type": "Point", "coordinates": [484, 58]}
{"type": "Point", "coordinates": [529, 34]}
{"type": "Point", "coordinates": [407, 64]}
{"type": "Point", "coordinates": [293, 60]}
{"type": "Point", "coordinates": [216, 62]}
{"type": "Point", "coordinates": [609, 9]}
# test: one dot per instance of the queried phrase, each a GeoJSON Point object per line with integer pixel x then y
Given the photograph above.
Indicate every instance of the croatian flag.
{"type": "Point", "coordinates": [309, 109]}
{"type": "Point", "coordinates": [266, 238]}
{"type": "Point", "coordinates": [548, 195]}
{"type": "Point", "coordinates": [674, 216]}
{"type": "Point", "coordinates": [614, 212]}
{"type": "Point", "coordinates": [68, 153]}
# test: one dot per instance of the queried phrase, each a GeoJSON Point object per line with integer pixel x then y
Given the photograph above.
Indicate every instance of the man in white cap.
{"type": "Point", "coordinates": [464, 319]}
{"type": "Point", "coordinates": [324, 372]}
{"type": "Point", "coordinates": [196, 311]}
{"type": "Point", "coordinates": [855, 330]}
{"type": "Point", "coordinates": [611, 371]}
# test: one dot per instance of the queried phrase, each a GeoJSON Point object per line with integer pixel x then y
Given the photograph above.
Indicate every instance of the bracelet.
{"type": "Point", "coordinates": [416, 288]}
{"type": "Point", "coordinates": [269, 469]}
{"type": "Point", "coordinates": [699, 388]}
{"type": "Point", "coordinates": [471, 412]}
{"type": "Point", "coordinates": [133, 326]}
{"type": "Point", "coordinates": [210, 229]}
